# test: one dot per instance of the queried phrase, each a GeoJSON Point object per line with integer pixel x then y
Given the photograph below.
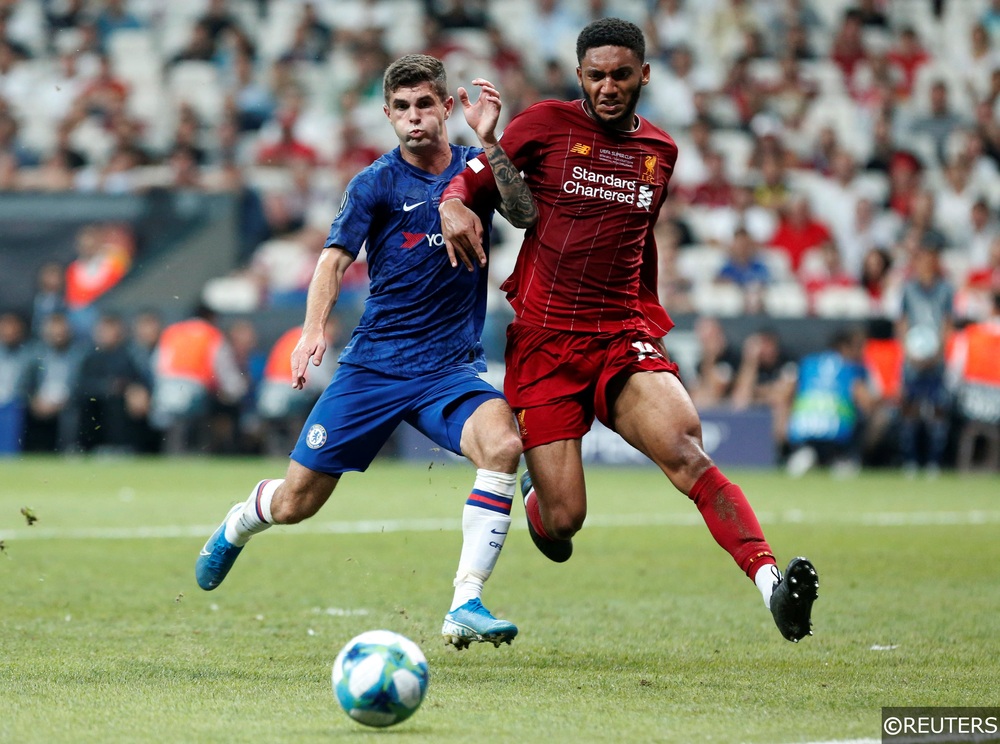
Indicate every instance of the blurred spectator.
{"type": "Point", "coordinates": [12, 144]}
{"type": "Point", "coordinates": [66, 15]}
{"type": "Point", "coordinates": [832, 398]}
{"type": "Point", "coordinates": [864, 231]}
{"type": "Point", "coordinates": [283, 409]}
{"type": "Point", "coordinates": [51, 381]}
{"type": "Point", "coordinates": [717, 364]}
{"type": "Point", "coordinates": [978, 61]}
{"type": "Point", "coordinates": [111, 395]}
{"type": "Point", "coordinates": [847, 48]}
{"type": "Point", "coordinates": [876, 276]}
{"type": "Point", "coordinates": [317, 35]}
{"type": "Point", "coordinates": [871, 15]}
{"type": "Point", "coordinates": [103, 258]}
{"type": "Point", "coordinates": [194, 371]}
{"type": "Point", "coordinates": [745, 269]}
{"type": "Point", "coordinates": [772, 189]}
{"type": "Point", "coordinates": [939, 120]}
{"type": "Point", "coordinates": [822, 267]}
{"type": "Point", "coordinates": [715, 190]}
{"type": "Point", "coordinates": [766, 377]}
{"type": "Point", "coordinates": [975, 377]}
{"type": "Point", "coordinates": [981, 233]}
{"type": "Point", "coordinates": [975, 296]}
{"type": "Point", "coordinates": [671, 100]}
{"type": "Point", "coordinates": [919, 225]}
{"type": "Point", "coordinates": [105, 92]}
{"type": "Point", "coordinates": [50, 295]}
{"type": "Point", "coordinates": [200, 46]}
{"type": "Point", "coordinates": [185, 172]}
{"type": "Point", "coordinates": [146, 328]}
{"type": "Point", "coordinates": [905, 180]}
{"type": "Point", "coordinates": [114, 16]}
{"type": "Point", "coordinates": [288, 147]}
{"type": "Point", "coordinates": [798, 231]}
{"type": "Point", "coordinates": [954, 203]}
{"type": "Point", "coordinates": [670, 24]}
{"type": "Point", "coordinates": [556, 84]}
{"type": "Point", "coordinates": [728, 25]}
{"type": "Point", "coordinates": [217, 20]}
{"type": "Point", "coordinates": [14, 361]}
{"type": "Point", "coordinates": [457, 13]}
{"type": "Point", "coordinates": [792, 94]}
{"type": "Point", "coordinates": [907, 56]}
{"type": "Point", "coordinates": [743, 212]}
{"type": "Point", "coordinates": [924, 325]}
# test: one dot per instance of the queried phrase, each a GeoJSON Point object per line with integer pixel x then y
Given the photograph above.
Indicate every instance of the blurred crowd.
{"type": "Point", "coordinates": [832, 152]}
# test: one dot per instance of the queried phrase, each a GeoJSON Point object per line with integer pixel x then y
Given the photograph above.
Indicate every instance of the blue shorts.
{"type": "Point", "coordinates": [360, 409]}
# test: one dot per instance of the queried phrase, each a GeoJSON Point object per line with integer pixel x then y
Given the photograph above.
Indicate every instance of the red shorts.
{"type": "Point", "coordinates": [557, 381]}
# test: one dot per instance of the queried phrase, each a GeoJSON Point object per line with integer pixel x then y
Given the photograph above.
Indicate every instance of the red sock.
{"type": "Point", "coordinates": [731, 520]}
{"type": "Point", "coordinates": [534, 515]}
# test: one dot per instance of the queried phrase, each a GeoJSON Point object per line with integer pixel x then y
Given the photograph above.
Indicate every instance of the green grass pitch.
{"type": "Point", "coordinates": [649, 634]}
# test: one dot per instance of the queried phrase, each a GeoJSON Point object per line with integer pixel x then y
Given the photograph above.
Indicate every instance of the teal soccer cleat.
{"type": "Point", "coordinates": [473, 622]}
{"type": "Point", "coordinates": [217, 557]}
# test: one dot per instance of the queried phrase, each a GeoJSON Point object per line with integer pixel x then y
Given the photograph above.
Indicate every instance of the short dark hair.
{"type": "Point", "coordinates": [611, 32]}
{"type": "Point", "coordinates": [413, 69]}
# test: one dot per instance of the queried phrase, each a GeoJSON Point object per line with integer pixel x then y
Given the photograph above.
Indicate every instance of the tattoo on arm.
{"type": "Point", "coordinates": [517, 204]}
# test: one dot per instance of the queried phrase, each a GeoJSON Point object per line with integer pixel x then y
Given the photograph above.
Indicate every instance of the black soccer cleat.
{"type": "Point", "coordinates": [558, 551]}
{"type": "Point", "coordinates": [793, 597]}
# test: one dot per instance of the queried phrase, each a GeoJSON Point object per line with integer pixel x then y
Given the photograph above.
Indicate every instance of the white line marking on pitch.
{"type": "Point", "coordinates": [368, 526]}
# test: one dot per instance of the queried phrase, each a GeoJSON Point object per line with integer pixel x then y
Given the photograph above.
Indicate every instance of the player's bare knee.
{"type": "Point", "coordinates": [686, 460]}
{"type": "Point", "coordinates": [504, 453]}
{"type": "Point", "coordinates": [564, 526]}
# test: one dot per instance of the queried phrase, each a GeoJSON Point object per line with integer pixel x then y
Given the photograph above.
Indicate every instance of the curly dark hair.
{"type": "Point", "coordinates": [611, 32]}
{"type": "Point", "coordinates": [413, 69]}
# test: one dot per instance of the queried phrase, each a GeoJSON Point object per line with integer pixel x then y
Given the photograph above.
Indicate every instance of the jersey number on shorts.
{"type": "Point", "coordinates": [646, 350]}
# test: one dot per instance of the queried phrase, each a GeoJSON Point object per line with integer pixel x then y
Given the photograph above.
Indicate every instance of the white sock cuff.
{"type": "Point", "coordinates": [765, 578]}
{"type": "Point", "coordinates": [502, 484]}
{"type": "Point", "coordinates": [265, 492]}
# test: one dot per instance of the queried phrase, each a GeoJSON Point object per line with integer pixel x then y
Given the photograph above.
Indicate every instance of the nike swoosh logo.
{"type": "Point", "coordinates": [495, 532]}
{"type": "Point", "coordinates": [205, 552]}
{"type": "Point", "coordinates": [410, 207]}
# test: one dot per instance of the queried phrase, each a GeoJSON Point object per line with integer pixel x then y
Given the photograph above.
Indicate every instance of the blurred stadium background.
{"type": "Point", "coordinates": [161, 160]}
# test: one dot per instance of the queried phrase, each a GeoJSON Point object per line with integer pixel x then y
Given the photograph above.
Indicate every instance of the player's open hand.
{"type": "Point", "coordinates": [462, 231]}
{"type": "Point", "coordinates": [484, 113]}
{"type": "Point", "coordinates": [310, 346]}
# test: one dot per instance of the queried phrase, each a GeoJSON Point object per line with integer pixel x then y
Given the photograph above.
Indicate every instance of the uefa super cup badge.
{"type": "Point", "coordinates": [316, 436]}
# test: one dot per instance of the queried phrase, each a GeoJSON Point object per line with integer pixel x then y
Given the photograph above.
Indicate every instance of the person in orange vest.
{"type": "Point", "coordinates": [283, 409]}
{"type": "Point", "coordinates": [193, 369]}
{"type": "Point", "coordinates": [104, 256]}
{"type": "Point", "coordinates": [974, 374]}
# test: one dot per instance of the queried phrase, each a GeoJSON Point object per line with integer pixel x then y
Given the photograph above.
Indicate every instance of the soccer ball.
{"type": "Point", "coordinates": [380, 678]}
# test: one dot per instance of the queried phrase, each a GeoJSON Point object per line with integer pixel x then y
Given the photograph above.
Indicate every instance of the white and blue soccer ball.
{"type": "Point", "coordinates": [380, 678]}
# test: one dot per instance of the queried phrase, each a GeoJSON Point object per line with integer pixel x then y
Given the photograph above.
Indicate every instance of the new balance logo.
{"type": "Point", "coordinates": [411, 207]}
{"type": "Point", "coordinates": [580, 149]}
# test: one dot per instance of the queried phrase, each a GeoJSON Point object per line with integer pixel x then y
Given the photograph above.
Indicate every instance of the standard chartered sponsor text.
{"type": "Point", "coordinates": [610, 188]}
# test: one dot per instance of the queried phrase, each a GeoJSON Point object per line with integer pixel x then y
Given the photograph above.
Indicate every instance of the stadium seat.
{"type": "Point", "coordinates": [700, 262]}
{"type": "Point", "coordinates": [786, 300]}
{"type": "Point", "coordinates": [778, 262]}
{"type": "Point", "coordinates": [720, 300]}
{"type": "Point", "coordinates": [842, 302]}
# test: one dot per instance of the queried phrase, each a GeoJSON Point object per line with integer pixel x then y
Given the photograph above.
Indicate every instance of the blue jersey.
{"type": "Point", "coordinates": [421, 314]}
{"type": "Point", "coordinates": [824, 408]}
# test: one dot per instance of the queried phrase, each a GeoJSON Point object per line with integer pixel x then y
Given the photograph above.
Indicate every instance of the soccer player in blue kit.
{"type": "Point", "coordinates": [415, 355]}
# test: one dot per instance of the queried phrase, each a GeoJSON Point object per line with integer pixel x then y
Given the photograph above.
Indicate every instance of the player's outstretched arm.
{"type": "Point", "coordinates": [324, 289]}
{"type": "Point", "coordinates": [516, 202]}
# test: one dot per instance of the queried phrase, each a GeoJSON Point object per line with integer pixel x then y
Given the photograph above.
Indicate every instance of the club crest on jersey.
{"type": "Point", "coordinates": [580, 149]}
{"type": "Point", "coordinates": [316, 436]}
{"type": "Point", "coordinates": [648, 169]}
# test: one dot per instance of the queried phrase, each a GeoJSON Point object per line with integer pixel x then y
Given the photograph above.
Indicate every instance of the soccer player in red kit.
{"type": "Point", "coordinates": [585, 341]}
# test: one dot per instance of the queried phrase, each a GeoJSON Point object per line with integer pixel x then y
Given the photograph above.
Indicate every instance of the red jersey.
{"type": "Point", "coordinates": [589, 263]}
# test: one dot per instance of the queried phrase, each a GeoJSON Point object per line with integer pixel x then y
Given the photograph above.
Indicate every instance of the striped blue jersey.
{"type": "Point", "coordinates": [421, 314]}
